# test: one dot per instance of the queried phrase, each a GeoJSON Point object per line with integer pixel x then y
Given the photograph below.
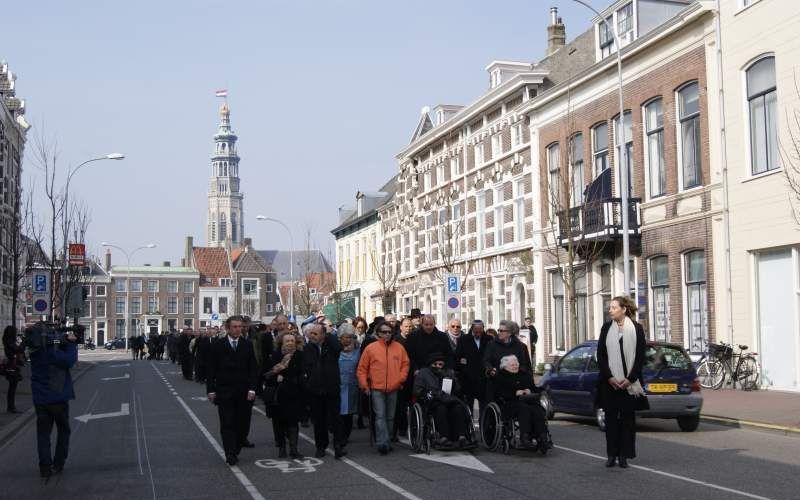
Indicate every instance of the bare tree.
{"type": "Point", "coordinates": [386, 267]}
{"type": "Point", "coordinates": [790, 156]}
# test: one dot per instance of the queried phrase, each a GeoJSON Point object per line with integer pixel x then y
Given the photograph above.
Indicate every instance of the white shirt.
{"type": "Point", "coordinates": [231, 341]}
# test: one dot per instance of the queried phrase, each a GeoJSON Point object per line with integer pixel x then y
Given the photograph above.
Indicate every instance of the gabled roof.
{"type": "Point", "coordinates": [423, 126]}
{"type": "Point", "coordinates": [304, 261]}
{"type": "Point", "coordinates": [386, 192]}
{"type": "Point", "coordinates": [212, 264]}
{"type": "Point", "coordinates": [249, 261]}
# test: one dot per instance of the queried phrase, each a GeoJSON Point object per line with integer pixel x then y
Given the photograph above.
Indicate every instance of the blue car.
{"type": "Point", "coordinates": [670, 381]}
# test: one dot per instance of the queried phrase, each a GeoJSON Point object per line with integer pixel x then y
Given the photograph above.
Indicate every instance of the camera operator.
{"type": "Point", "coordinates": [51, 384]}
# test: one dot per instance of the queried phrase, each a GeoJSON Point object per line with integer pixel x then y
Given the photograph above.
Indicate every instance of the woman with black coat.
{"type": "Point", "coordinates": [620, 356]}
{"type": "Point", "coordinates": [283, 394]}
{"type": "Point", "coordinates": [13, 374]}
{"type": "Point", "coordinates": [515, 390]}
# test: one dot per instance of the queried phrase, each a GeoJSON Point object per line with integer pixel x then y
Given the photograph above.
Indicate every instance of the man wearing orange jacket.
{"type": "Point", "coordinates": [382, 371]}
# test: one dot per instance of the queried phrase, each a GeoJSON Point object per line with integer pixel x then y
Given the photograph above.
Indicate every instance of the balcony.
{"type": "Point", "coordinates": [598, 222]}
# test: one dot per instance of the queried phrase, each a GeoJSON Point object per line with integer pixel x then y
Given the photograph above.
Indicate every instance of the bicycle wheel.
{"type": "Point", "coordinates": [711, 373]}
{"type": "Point", "coordinates": [748, 373]}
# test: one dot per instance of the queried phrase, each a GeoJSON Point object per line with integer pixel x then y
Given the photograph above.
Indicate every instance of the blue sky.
{"type": "Point", "coordinates": [322, 96]}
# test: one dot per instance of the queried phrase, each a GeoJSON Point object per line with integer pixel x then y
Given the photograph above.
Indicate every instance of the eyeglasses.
{"type": "Point", "coordinates": [455, 326]}
{"type": "Point", "coordinates": [438, 363]}
{"type": "Point", "coordinates": [502, 329]}
{"type": "Point", "coordinates": [385, 331]}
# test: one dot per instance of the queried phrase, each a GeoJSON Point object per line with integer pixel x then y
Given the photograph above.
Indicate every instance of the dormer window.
{"type": "Point", "coordinates": [625, 20]}
{"type": "Point", "coordinates": [495, 78]}
{"type": "Point", "coordinates": [606, 39]}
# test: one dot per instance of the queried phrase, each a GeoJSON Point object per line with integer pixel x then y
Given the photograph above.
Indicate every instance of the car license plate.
{"type": "Point", "coordinates": [662, 387]}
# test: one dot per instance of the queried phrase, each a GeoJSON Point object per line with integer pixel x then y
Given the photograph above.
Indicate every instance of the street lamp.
{"type": "Point", "coordinates": [65, 228]}
{"type": "Point", "coordinates": [291, 259]}
{"type": "Point", "coordinates": [623, 153]}
{"type": "Point", "coordinates": [128, 256]}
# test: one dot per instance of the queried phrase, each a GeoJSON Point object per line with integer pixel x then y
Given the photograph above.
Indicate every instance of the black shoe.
{"type": "Point", "coordinates": [58, 468]}
{"type": "Point", "coordinates": [383, 450]}
{"type": "Point", "coordinates": [304, 424]}
{"type": "Point", "coordinates": [231, 459]}
{"type": "Point", "coordinates": [247, 444]}
{"type": "Point", "coordinates": [339, 452]}
{"type": "Point", "coordinates": [623, 462]}
{"type": "Point", "coordinates": [360, 423]}
{"type": "Point", "coordinates": [462, 441]}
{"type": "Point", "coordinates": [282, 452]}
{"type": "Point", "coordinates": [320, 453]}
{"type": "Point", "coordinates": [611, 461]}
{"type": "Point", "coordinates": [394, 439]}
{"type": "Point", "coordinates": [45, 471]}
{"type": "Point", "coordinates": [293, 453]}
{"type": "Point", "coordinates": [13, 410]}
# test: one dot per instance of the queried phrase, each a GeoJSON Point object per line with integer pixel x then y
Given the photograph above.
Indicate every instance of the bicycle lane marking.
{"type": "Point", "coordinates": [360, 468]}
{"type": "Point", "coordinates": [672, 476]}
{"type": "Point", "coordinates": [243, 479]}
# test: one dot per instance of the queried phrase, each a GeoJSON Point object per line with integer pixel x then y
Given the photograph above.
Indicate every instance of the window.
{"type": "Point", "coordinates": [440, 174]}
{"type": "Point", "coordinates": [575, 361]}
{"type": "Point", "coordinates": [479, 156]}
{"type": "Point", "coordinates": [187, 323]}
{"type": "Point", "coordinates": [100, 309]}
{"type": "Point", "coordinates": [356, 254]}
{"type": "Point", "coordinates": [559, 332]}
{"type": "Point", "coordinates": [136, 305]}
{"type": "Point", "coordinates": [605, 289]}
{"type": "Point", "coordinates": [119, 286]}
{"type": "Point", "coordinates": [172, 324]}
{"type": "Point", "coordinates": [427, 180]}
{"type": "Point", "coordinates": [269, 287]}
{"type": "Point", "coordinates": [600, 148]}
{"type": "Point", "coordinates": [120, 329]}
{"type": "Point", "coordinates": [480, 219]}
{"type": "Point", "coordinates": [172, 305]}
{"type": "Point", "coordinates": [497, 145]}
{"type": "Point", "coordinates": [207, 308]}
{"type": "Point", "coordinates": [269, 308]}
{"type": "Point", "coordinates": [696, 300]}
{"type": "Point", "coordinates": [582, 323]}
{"type": "Point", "coordinates": [654, 129]}
{"type": "Point", "coordinates": [225, 282]}
{"type": "Point", "coordinates": [172, 286]}
{"type": "Point", "coordinates": [100, 290]}
{"type": "Point", "coordinates": [519, 210]}
{"type": "Point", "coordinates": [136, 285]}
{"type": "Point", "coordinates": [87, 290]}
{"type": "Point", "coordinates": [625, 20]}
{"type": "Point", "coordinates": [659, 291]}
{"type": "Point", "coordinates": [606, 37]}
{"type": "Point", "coordinates": [119, 305]}
{"type": "Point", "coordinates": [627, 138]}
{"type": "Point", "coordinates": [223, 305]}
{"type": "Point", "coordinates": [188, 287]}
{"type": "Point", "coordinates": [152, 304]}
{"type": "Point", "coordinates": [689, 116]}
{"type": "Point", "coordinates": [577, 180]}
{"type": "Point", "coordinates": [188, 305]}
{"type": "Point", "coordinates": [499, 221]}
{"type": "Point", "coordinates": [223, 221]}
{"type": "Point", "coordinates": [87, 311]}
{"type": "Point", "coordinates": [234, 228]}
{"type": "Point", "coordinates": [762, 102]}
{"type": "Point", "coordinates": [250, 287]}
{"type": "Point", "coordinates": [455, 167]}
{"type": "Point", "coordinates": [152, 286]}
{"type": "Point", "coordinates": [444, 236]}
{"type": "Point", "coordinates": [456, 228]}
{"type": "Point", "coordinates": [428, 235]}
{"type": "Point", "coordinates": [516, 135]}
{"type": "Point", "coordinates": [553, 159]}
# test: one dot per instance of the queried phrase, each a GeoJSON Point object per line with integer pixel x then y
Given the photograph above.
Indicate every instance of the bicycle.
{"type": "Point", "coordinates": [714, 366]}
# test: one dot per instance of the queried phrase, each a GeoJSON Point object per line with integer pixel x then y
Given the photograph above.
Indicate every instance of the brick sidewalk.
{"type": "Point", "coordinates": [773, 408]}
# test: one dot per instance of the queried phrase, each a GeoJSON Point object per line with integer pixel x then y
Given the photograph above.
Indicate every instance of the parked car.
{"type": "Point", "coordinates": [669, 380]}
{"type": "Point", "coordinates": [115, 344]}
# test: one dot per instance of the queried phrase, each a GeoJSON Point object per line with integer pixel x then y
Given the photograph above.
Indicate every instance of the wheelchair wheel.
{"type": "Point", "coordinates": [416, 428]}
{"type": "Point", "coordinates": [470, 428]}
{"type": "Point", "coordinates": [546, 445]}
{"type": "Point", "coordinates": [492, 427]}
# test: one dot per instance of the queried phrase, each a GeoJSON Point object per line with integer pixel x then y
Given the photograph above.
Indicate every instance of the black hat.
{"type": "Point", "coordinates": [416, 313]}
{"type": "Point", "coordinates": [434, 357]}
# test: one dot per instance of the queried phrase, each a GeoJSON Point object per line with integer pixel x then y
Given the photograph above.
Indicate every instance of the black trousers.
{"type": "Point", "coordinates": [450, 419]}
{"type": "Point", "coordinates": [284, 429]}
{"type": "Point", "coordinates": [401, 410]}
{"type": "Point", "coordinates": [347, 426]}
{"type": "Point", "coordinates": [530, 415]}
{"type": "Point", "coordinates": [200, 372]}
{"type": "Point", "coordinates": [46, 416]}
{"type": "Point", "coordinates": [325, 417]}
{"type": "Point", "coordinates": [12, 392]}
{"type": "Point", "coordinates": [234, 423]}
{"type": "Point", "coordinates": [473, 392]}
{"type": "Point", "coordinates": [186, 367]}
{"type": "Point", "coordinates": [620, 433]}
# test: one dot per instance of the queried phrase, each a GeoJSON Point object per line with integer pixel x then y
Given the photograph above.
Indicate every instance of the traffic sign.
{"type": "Point", "coordinates": [214, 316]}
{"type": "Point", "coordinates": [452, 296]}
{"type": "Point", "coordinates": [41, 283]}
{"type": "Point", "coordinates": [453, 283]}
{"type": "Point", "coordinates": [40, 305]}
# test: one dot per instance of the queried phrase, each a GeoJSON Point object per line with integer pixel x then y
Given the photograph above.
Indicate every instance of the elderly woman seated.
{"type": "Point", "coordinates": [515, 391]}
{"type": "Point", "coordinates": [435, 388]}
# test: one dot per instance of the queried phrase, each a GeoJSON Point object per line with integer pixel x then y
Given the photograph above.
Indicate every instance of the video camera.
{"type": "Point", "coordinates": [45, 334]}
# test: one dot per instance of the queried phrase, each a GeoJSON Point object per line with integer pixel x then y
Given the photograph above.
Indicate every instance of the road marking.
{"type": "Point", "coordinates": [127, 375]}
{"type": "Point", "coordinates": [306, 464]}
{"type": "Point", "coordinates": [119, 366]}
{"type": "Point", "coordinates": [360, 468]}
{"type": "Point", "coordinates": [123, 411]}
{"type": "Point", "coordinates": [673, 476]}
{"type": "Point", "coordinates": [248, 485]}
{"type": "Point", "coordinates": [146, 450]}
{"type": "Point", "coordinates": [464, 460]}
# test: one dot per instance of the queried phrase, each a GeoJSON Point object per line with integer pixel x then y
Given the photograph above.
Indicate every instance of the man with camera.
{"type": "Point", "coordinates": [51, 384]}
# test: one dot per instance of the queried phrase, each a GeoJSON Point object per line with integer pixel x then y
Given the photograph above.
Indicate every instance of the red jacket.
{"type": "Point", "coordinates": [383, 367]}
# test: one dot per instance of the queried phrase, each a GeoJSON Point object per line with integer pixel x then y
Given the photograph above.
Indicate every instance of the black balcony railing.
{"type": "Point", "coordinates": [597, 221]}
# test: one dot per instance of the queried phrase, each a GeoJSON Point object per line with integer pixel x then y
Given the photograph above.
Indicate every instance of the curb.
{"type": "Point", "coordinates": [25, 418]}
{"type": "Point", "coordinates": [735, 422]}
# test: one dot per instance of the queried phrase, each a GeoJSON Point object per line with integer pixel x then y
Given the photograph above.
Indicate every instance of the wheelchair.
{"type": "Point", "coordinates": [422, 429]}
{"type": "Point", "coordinates": [499, 433]}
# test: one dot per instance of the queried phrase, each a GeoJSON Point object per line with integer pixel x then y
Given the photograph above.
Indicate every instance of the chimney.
{"type": "Point", "coordinates": [189, 246]}
{"type": "Point", "coordinates": [183, 261]}
{"type": "Point", "coordinates": [108, 260]}
{"type": "Point", "coordinates": [166, 263]}
{"type": "Point", "coordinates": [556, 32]}
{"type": "Point", "coordinates": [248, 242]}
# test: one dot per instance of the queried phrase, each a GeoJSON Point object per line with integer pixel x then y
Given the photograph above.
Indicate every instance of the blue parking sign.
{"type": "Point", "coordinates": [452, 284]}
{"type": "Point", "coordinates": [40, 283]}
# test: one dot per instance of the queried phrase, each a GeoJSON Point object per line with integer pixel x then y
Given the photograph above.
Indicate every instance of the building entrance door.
{"type": "Point", "coordinates": [776, 319]}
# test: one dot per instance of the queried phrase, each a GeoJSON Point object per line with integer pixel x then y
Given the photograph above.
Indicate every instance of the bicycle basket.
{"type": "Point", "coordinates": [720, 351]}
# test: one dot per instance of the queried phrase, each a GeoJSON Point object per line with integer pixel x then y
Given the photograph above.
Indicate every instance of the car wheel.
{"type": "Point", "coordinates": [544, 400]}
{"type": "Point", "coordinates": [600, 418]}
{"type": "Point", "coordinates": [689, 424]}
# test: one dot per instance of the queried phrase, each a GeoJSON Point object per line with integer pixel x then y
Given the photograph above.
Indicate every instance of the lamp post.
{"type": "Point", "coordinates": [291, 259]}
{"type": "Point", "coordinates": [65, 218]}
{"type": "Point", "coordinates": [623, 153]}
{"type": "Point", "coordinates": [128, 256]}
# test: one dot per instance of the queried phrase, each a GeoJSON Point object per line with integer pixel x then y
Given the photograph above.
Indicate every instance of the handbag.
{"type": "Point", "coordinates": [641, 403]}
{"type": "Point", "coordinates": [270, 395]}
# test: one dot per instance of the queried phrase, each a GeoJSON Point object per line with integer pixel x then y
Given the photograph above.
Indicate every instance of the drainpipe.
{"type": "Point", "coordinates": [726, 213]}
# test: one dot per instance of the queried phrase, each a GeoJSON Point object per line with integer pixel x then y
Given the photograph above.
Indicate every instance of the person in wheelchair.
{"type": "Point", "coordinates": [431, 390]}
{"type": "Point", "coordinates": [518, 398]}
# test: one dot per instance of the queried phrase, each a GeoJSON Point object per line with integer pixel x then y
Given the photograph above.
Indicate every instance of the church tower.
{"type": "Point", "coordinates": [225, 200]}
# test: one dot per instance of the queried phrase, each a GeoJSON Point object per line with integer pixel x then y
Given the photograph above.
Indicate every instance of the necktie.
{"type": "Point", "coordinates": [235, 343]}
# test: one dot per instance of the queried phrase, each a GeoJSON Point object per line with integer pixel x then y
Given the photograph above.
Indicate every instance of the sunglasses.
{"type": "Point", "coordinates": [385, 331]}
{"type": "Point", "coordinates": [438, 363]}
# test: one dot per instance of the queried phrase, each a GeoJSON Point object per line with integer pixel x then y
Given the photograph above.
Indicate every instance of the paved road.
{"type": "Point", "coordinates": [164, 444]}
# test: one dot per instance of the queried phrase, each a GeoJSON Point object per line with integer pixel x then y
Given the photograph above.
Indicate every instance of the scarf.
{"type": "Point", "coordinates": [615, 355]}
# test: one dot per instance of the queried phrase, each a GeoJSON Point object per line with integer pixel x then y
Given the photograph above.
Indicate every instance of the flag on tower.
{"type": "Point", "coordinates": [222, 93]}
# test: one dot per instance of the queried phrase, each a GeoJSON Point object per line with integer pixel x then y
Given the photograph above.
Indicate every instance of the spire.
{"type": "Point", "coordinates": [225, 199]}
{"type": "Point", "coordinates": [225, 117]}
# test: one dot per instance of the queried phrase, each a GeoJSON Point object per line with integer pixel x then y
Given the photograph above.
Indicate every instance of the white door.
{"type": "Point", "coordinates": [776, 319]}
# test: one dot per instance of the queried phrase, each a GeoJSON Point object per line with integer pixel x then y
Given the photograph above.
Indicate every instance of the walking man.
{"type": "Point", "coordinates": [185, 353]}
{"type": "Point", "coordinates": [231, 385]}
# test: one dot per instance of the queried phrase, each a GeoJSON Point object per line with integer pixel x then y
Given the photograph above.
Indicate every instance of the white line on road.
{"type": "Point", "coordinates": [248, 485]}
{"type": "Point", "coordinates": [673, 476]}
{"type": "Point", "coordinates": [127, 375]}
{"type": "Point", "coordinates": [146, 451]}
{"type": "Point", "coordinates": [123, 411]}
{"type": "Point", "coordinates": [360, 468]}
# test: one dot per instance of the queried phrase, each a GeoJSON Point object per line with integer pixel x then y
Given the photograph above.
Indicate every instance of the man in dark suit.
{"type": "Point", "coordinates": [185, 353]}
{"type": "Point", "coordinates": [470, 349]}
{"type": "Point", "coordinates": [231, 379]}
